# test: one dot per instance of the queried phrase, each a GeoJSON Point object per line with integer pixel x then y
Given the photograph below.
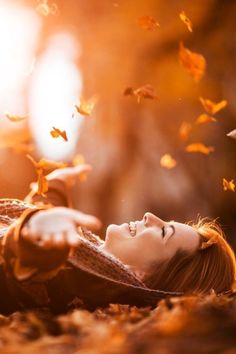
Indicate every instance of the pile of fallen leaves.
{"type": "Point", "coordinates": [190, 324]}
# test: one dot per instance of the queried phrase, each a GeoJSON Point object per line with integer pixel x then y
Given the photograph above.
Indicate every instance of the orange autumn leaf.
{"type": "Point", "coordinates": [148, 23]}
{"type": "Point", "coordinates": [212, 107]}
{"type": "Point", "coordinates": [85, 107]}
{"type": "Point", "coordinates": [14, 118]}
{"type": "Point", "coordinates": [56, 133]}
{"type": "Point", "coordinates": [167, 161]}
{"type": "Point", "coordinates": [146, 91]}
{"type": "Point", "coordinates": [194, 63]}
{"type": "Point", "coordinates": [185, 130]}
{"type": "Point", "coordinates": [228, 185]}
{"type": "Point", "coordinates": [186, 20]}
{"type": "Point", "coordinates": [42, 183]}
{"type": "Point", "coordinates": [199, 147]}
{"type": "Point", "coordinates": [204, 118]}
{"type": "Point", "coordinates": [45, 164]}
{"type": "Point", "coordinates": [232, 134]}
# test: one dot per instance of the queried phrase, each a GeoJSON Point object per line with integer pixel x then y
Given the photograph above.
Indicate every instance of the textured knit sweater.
{"type": "Point", "coordinates": [61, 279]}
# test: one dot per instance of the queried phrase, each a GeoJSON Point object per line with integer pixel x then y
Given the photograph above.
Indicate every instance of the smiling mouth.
{"type": "Point", "coordinates": [132, 228]}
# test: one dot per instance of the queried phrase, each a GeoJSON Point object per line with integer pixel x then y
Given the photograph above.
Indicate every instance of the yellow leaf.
{"type": "Point", "coordinates": [212, 107]}
{"type": "Point", "coordinates": [42, 183]}
{"type": "Point", "coordinates": [56, 133]}
{"type": "Point", "coordinates": [86, 107]}
{"type": "Point", "coordinates": [148, 23]}
{"type": "Point", "coordinates": [186, 20]}
{"type": "Point", "coordinates": [204, 118]}
{"type": "Point", "coordinates": [194, 63]}
{"type": "Point", "coordinates": [45, 9]}
{"type": "Point", "coordinates": [228, 185]}
{"type": "Point", "coordinates": [13, 118]}
{"type": "Point", "coordinates": [167, 161]}
{"type": "Point", "coordinates": [199, 147]}
{"type": "Point", "coordinates": [45, 164]}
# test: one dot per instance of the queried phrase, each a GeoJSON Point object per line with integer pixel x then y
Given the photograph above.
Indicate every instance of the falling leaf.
{"type": "Point", "coordinates": [199, 147]}
{"type": "Point", "coordinates": [185, 130]}
{"type": "Point", "coordinates": [42, 183]}
{"type": "Point", "coordinates": [146, 91]}
{"type": "Point", "coordinates": [40, 166]}
{"type": "Point", "coordinates": [86, 107]}
{"type": "Point", "coordinates": [13, 118]}
{"type": "Point", "coordinates": [45, 9]}
{"type": "Point", "coordinates": [228, 185]}
{"type": "Point", "coordinates": [45, 164]}
{"type": "Point", "coordinates": [167, 161]}
{"type": "Point", "coordinates": [186, 20]}
{"type": "Point", "coordinates": [204, 118]}
{"type": "Point", "coordinates": [232, 134]}
{"type": "Point", "coordinates": [148, 23]}
{"type": "Point", "coordinates": [194, 63]}
{"type": "Point", "coordinates": [79, 160]}
{"type": "Point", "coordinates": [211, 107]}
{"type": "Point", "coordinates": [56, 133]}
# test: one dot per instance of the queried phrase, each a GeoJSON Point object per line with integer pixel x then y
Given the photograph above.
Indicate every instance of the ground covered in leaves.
{"type": "Point", "coordinates": [178, 325]}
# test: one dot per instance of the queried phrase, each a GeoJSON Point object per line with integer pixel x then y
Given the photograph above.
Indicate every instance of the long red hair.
{"type": "Point", "coordinates": [211, 267]}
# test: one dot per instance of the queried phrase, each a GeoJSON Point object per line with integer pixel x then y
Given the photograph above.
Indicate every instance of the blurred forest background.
{"type": "Point", "coordinates": [123, 140]}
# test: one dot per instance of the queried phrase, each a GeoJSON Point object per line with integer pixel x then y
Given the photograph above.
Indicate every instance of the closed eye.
{"type": "Point", "coordinates": [163, 231]}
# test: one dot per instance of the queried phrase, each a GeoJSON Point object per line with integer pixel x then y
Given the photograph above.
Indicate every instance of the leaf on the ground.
{"type": "Point", "coordinates": [56, 133]}
{"type": "Point", "coordinates": [186, 20]}
{"type": "Point", "coordinates": [199, 147]}
{"type": "Point", "coordinates": [85, 107]}
{"type": "Point", "coordinates": [194, 63]}
{"type": "Point", "coordinates": [204, 118]}
{"type": "Point", "coordinates": [14, 118]}
{"type": "Point", "coordinates": [146, 91]}
{"type": "Point", "coordinates": [46, 9]}
{"type": "Point", "coordinates": [168, 161]}
{"type": "Point", "coordinates": [46, 164]}
{"type": "Point", "coordinates": [185, 130]}
{"type": "Point", "coordinates": [212, 107]}
{"type": "Point", "coordinates": [232, 134]}
{"type": "Point", "coordinates": [148, 23]}
{"type": "Point", "coordinates": [228, 185]}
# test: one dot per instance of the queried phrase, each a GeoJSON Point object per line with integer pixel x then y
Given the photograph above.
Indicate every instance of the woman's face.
{"type": "Point", "coordinates": [141, 243]}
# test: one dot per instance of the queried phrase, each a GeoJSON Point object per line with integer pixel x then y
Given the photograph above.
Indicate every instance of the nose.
{"type": "Point", "coordinates": [152, 220]}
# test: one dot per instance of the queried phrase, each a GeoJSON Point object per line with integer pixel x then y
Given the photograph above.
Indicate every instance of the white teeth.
{"type": "Point", "coordinates": [132, 228]}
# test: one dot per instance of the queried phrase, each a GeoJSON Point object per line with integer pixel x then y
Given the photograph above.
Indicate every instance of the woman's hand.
{"type": "Point", "coordinates": [57, 227]}
{"type": "Point", "coordinates": [69, 174]}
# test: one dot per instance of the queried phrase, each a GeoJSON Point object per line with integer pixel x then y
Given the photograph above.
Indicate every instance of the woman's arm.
{"type": "Point", "coordinates": [39, 243]}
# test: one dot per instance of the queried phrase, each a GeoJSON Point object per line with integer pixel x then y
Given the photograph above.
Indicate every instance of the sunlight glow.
{"type": "Point", "coordinates": [19, 29]}
{"type": "Point", "coordinates": [56, 86]}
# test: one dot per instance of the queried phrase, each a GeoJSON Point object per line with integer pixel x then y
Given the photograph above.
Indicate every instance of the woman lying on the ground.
{"type": "Point", "coordinates": [49, 259]}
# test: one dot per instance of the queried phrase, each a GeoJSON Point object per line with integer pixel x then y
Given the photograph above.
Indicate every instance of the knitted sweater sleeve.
{"type": "Point", "coordinates": [23, 258]}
